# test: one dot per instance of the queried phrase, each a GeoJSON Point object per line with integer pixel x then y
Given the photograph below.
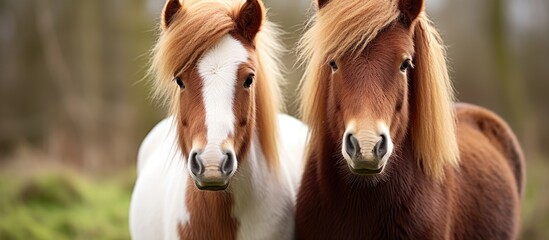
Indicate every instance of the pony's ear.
{"type": "Point", "coordinates": [170, 9]}
{"type": "Point", "coordinates": [322, 3]}
{"type": "Point", "coordinates": [249, 19]}
{"type": "Point", "coordinates": [410, 10]}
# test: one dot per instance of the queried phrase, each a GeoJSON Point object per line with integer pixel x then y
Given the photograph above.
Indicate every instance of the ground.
{"type": "Point", "coordinates": [63, 204]}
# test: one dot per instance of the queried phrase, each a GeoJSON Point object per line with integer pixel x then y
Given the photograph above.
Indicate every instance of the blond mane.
{"type": "Point", "coordinates": [198, 26]}
{"type": "Point", "coordinates": [347, 27]}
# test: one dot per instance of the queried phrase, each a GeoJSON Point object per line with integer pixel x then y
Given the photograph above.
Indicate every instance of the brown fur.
{"type": "Point", "coordinates": [455, 173]}
{"type": "Point", "coordinates": [498, 133]}
{"type": "Point", "coordinates": [210, 216]}
{"type": "Point", "coordinates": [249, 20]}
{"type": "Point", "coordinates": [196, 27]}
{"type": "Point", "coordinates": [191, 117]}
{"type": "Point", "coordinates": [346, 28]}
{"type": "Point", "coordinates": [188, 29]}
{"type": "Point", "coordinates": [170, 9]}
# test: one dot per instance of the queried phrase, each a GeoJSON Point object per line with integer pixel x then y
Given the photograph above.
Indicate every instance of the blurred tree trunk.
{"type": "Point", "coordinates": [68, 80]}
{"type": "Point", "coordinates": [91, 77]}
{"type": "Point", "coordinates": [63, 140]}
{"type": "Point", "coordinates": [74, 132]}
{"type": "Point", "coordinates": [119, 18]}
{"type": "Point", "coordinates": [511, 83]}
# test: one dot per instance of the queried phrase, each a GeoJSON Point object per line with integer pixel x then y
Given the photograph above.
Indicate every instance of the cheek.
{"type": "Point", "coordinates": [243, 107]}
{"type": "Point", "coordinates": [399, 121]}
{"type": "Point", "coordinates": [401, 97]}
{"type": "Point", "coordinates": [191, 124]}
{"type": "Point", "coordinates": [337, 110]}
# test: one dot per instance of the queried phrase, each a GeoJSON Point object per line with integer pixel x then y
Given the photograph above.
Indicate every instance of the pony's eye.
{"type": "Point", "coordinates": [407, 64]}
{"type": "Point", "coordinates": [333, 65]}
{"type": "Point", "coordinates": [180, 82]}
{"type": "Point", "coordinates": [249, 80]}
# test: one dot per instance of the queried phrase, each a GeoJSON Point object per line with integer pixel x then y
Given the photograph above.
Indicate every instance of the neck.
{"type": "Point", "coordinates": [383, 204]}
{"type": "Point", "coordinates": [210, 215]}
{"type": "Point", "coordinates": [248, 203]}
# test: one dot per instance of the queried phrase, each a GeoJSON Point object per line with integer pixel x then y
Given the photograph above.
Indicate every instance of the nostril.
{"type": "Point", "coordinates": [195, 164]}
{"type": "Point", "coordinates": [381, 147]}
{"type": "Point", "coordinates": [351, 145]}
{"type": "Point", "coordinates": [227, 166]}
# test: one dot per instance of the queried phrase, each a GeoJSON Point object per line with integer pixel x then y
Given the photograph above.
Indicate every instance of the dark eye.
{"type": "Point", "coordinates": [333, 65]}
{"type": "Point", "coordinates": [249, 80]}
{"type": "Point", "coordinates": [180, 82]}
{"type": "Point", "coordinates": [407, 64]}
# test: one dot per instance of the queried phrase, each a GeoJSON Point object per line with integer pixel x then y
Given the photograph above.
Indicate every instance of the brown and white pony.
{"type": "Point", "coordinates": [391, 156]}
{"type": "Point", "coordinates": [212, 170]}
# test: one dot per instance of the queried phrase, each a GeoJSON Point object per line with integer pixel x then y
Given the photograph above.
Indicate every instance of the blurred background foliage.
{"type": "Point", "coordinates": [74, 104]}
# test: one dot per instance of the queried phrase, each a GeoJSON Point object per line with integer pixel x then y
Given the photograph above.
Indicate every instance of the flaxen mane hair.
{"type": "Point", "coordinates": [347, 27]}
{"type": "Point", "coordinates": [198, 26]}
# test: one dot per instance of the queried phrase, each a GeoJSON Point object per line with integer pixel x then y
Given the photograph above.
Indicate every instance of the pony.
{"type": "Point", "coordinates": [391, 155]}
{"type": "Point", "coordinates": [219, 167]}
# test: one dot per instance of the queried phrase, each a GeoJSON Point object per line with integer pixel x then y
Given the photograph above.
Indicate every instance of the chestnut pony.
{"type": "Point", "coordinates": [391, 156]}
{"type": "Point", "coordinates": [212, 170]}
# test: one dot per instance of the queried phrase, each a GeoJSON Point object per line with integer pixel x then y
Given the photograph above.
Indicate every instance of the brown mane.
{"type": "Point", "coordinates": [347, 27]}
{"type": "Point", "coordinates": [382, 62]}
{"type": "Point", "coordinates": [196, 28]}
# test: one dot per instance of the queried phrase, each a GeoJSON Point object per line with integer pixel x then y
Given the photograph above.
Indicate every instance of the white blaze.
{"type": "Point", "coordinates": [218, 69]}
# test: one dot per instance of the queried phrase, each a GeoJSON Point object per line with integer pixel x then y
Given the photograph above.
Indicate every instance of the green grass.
{"type": "Point", "coordinates": [64, 206]}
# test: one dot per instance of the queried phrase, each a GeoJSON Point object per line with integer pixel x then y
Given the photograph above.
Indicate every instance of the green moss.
{"type": "Point", "coordinates": [52, 191]}
{"type": "Point", "coordinates": [64, 206]}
